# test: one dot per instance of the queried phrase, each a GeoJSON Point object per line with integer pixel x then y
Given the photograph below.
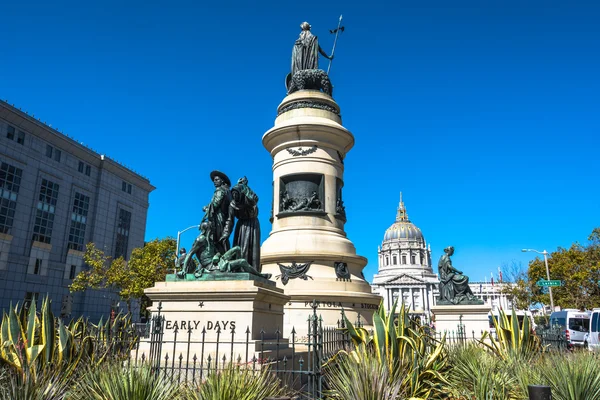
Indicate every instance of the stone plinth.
{"type": "Point", "coordinates": [231, 312]}
{"type": "Point", "coordinates": [474, 318]}
{"type": "Point", "coordinates": [308, 145]}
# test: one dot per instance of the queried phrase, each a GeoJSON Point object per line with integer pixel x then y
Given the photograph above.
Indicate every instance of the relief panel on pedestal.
{"type": "Point", "coordinates": [301, 194]}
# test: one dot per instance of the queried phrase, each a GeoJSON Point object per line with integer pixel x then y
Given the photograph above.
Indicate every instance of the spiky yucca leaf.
{"type": "Point", "coordinates": [397, 341]}
{"type": "Point", "coordinates": [47, 384]}
{"type": "Point", "coordinates": [479, 375]}
{"type": "Point", "coordinates": [114, 382]}
{"type": "Point", "coordinates": [240, 383]}
{"type": "Point", "coordinates": [368, 379]}
{"type": "Point", "coordinates": [574, 376]}
{"type": "Point", "coordinates": [512, 341]}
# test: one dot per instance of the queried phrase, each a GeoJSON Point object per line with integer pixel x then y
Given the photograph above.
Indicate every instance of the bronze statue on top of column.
{"type": "Point", "coordinates": [305, 72]}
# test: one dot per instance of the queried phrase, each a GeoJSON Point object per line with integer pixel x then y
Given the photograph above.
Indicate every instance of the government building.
{"type": "Point", "coordinates": [56, 195]}
{"type": "Point", "coordinates": [405, 271]}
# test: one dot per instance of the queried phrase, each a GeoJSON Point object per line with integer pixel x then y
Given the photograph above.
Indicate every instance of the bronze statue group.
{"type": "Point", "coordinates": [212, 247]}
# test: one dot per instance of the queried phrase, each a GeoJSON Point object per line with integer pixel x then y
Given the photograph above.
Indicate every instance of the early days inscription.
{"type": "Point", "coordinates": [209, 325]}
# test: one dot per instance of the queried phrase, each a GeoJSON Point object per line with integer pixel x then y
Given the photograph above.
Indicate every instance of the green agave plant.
{"type": "Point", "coordinates": [400, 342]}
{"type": "Point", "coordinates": [32, 342]}
{"type": "Point", "coordinates": [240, 383]}
{"type": "Point", "coordinates": [512, 340]}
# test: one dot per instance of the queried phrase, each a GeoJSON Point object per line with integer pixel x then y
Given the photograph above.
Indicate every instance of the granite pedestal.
{"type": "Point", "coordinates": [225, 313]}
{"type": "Point", "coordinates": [472, 317]}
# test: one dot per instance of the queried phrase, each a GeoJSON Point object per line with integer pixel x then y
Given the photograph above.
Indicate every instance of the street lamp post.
{"type": "Point", "coordinates": [545, 253]}
{"type": "Point", "coordinates": [177, 247]}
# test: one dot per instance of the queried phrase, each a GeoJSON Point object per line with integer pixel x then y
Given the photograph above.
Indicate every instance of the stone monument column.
{"type": "Point", "coordinates": [307, 250]}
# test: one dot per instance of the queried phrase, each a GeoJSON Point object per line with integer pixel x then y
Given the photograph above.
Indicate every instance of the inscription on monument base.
{"type": "Point", "coordinates": [338, 304]}
{"type": "Point", "coordinates": [209, 325]}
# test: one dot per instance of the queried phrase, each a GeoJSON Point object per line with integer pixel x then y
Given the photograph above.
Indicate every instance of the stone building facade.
{"type": "Point", "coordinates": [56, 195]}
{"type": "Point", "coordinates": [405, 272]}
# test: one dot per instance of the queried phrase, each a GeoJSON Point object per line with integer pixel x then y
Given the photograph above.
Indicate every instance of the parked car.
{"type": "Point", "coordinates": [593, 338]}
{"type": "Point", "coordinates": [576, 325]}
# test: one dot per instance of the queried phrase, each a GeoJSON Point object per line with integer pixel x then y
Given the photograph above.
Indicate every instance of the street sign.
{"type": "Point", "coordinates": [543, 282]}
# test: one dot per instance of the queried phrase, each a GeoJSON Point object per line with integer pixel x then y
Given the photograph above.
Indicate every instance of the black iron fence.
{"type": "Point", "coordinates": [553, 339]}
{"type": "Point", "coordinates": [184, 356]}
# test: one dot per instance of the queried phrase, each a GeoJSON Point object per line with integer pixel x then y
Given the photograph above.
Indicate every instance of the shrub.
{"type": "Point", "coordinates": [46, 384]}
{"type": "Point", "coordinates": [574, 376]}
{"type": "Point", "coordinates": [367, 379]}
{"type": "Point", "coordinates": [113, 381]}
{"type": "Point", "coordinates": [479, 375]}
{"type": "Point", "coordinates": [239, 383]}
{"type": "Point", "coordinates": [401, 343]}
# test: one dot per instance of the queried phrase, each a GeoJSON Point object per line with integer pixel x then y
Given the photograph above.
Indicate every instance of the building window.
{"type": "Point", "coordinates": [81, 205]}
{"type": "Point", "coordinates": [387, 260]}
{"type": "Point", "coordinates": [126, 187]}
{"type": "Point", "coordinates": [123, 225]}
{"type": "Point", "coordinates": [413, 259]}
{"type": "Point", "coordinates": [403, 259]}
{"type": "Point", "coordinates": [10, 134]}
{"type": "Point", "coordinates": [38, 266]}
{"type": "Point", "coordinates": [72, 271]}
{"type": "Point", "coordinates": [10, 182]}
{"type": "Point", "coordinates": [44, 217]}
{"type": "Point", "coordinates": [52, 151]}
{"type": "Point", "coordinates": [84, 168]}
{"type": "Point", "coordinates": [394, 260]}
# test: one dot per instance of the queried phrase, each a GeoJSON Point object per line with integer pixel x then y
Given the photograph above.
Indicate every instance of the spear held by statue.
{"type": "Point", "coordinates": [337, 31]}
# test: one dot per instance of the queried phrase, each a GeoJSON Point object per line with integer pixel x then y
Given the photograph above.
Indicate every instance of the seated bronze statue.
{"type": "Point", "coordinates": [454, 286]}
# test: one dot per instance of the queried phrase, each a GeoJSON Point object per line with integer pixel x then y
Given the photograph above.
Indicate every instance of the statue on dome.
{"type": "Point", "coordinates": [454, 286]}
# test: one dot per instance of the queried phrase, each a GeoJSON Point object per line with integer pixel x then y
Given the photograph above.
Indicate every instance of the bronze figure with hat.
{"type": "Point", "coordinates": [217, 211]}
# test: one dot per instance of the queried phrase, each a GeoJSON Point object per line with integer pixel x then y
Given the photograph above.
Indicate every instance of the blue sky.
{"type": "Point", "coordinates": [485, 114]}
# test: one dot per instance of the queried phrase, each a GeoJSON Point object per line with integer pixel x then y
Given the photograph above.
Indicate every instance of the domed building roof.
{"type": "Point", "coordinates": [402, 228]}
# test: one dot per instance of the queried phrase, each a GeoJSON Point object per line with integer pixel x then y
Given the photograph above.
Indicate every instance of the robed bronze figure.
{"type": "Point", "coordinates": [244, 208]}
{"type": "Point", "coordinates": [305, 54]}
{"type": "Point", "coordinates": [454, 286]}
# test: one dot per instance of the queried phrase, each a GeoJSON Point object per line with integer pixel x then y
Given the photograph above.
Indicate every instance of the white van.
{"type": "Point", "coordinates": [576, 325]}
{"type": "Point", "coordinates": [593, 338]}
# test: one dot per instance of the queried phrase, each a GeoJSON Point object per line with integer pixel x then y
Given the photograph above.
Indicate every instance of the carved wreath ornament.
{"type": "Point", "coordinates": [301, 151]}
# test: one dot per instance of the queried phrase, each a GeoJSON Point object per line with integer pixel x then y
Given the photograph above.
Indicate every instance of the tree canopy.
{"type": "Point", "coordinates": [147, 265]}
{"type": "Point", "coordinates": [516, 286]}
{"type": "Point", "coordinates": [578, 267]}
